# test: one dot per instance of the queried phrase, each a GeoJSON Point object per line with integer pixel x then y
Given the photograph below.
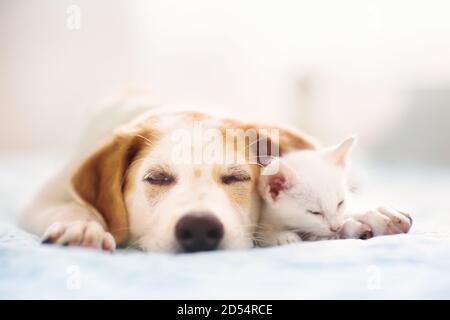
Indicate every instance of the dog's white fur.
{"type": "Point", "coordinates": [197, 189]}
{"type": "Point", "coordinates": [101, 201]}
{"type": "Point", "coordinates": [65, 212]}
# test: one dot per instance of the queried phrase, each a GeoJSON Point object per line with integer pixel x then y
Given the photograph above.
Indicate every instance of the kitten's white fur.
{"type": "Point", "coordinates": [305, 195]}
{"type": "Point", "coordinates": [307, 198]}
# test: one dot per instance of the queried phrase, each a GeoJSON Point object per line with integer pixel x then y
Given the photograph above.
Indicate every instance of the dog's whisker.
{"type": "Point", "coordinates": [148, 141]}
{"type": "Point", "coordinates": [134, 243]}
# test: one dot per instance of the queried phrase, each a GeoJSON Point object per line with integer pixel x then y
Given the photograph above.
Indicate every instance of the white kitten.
{"type": "Point", "coordinates": [305, 195]}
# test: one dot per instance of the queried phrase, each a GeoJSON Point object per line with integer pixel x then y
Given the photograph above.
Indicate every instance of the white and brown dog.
{"type": "Point", "coordinates": [168, 181]}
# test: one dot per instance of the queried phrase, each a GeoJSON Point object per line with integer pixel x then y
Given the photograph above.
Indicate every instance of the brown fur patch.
{"type": "Point", "coordinates": [264, 141]}
{"type": "Point", "coordinates": [195, 116]}
{"type": "Point", "coordinates": [99, 181]}
{"type": "Point", "coordinates": [238, 192]}
{"type": "Point", "coordinates": [288, 141]}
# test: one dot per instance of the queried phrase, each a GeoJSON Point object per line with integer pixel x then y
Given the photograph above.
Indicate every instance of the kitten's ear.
{"type": "Point", "coordinates": [275, 178]}
{"type": "Point", "coordinates": [339, 154]}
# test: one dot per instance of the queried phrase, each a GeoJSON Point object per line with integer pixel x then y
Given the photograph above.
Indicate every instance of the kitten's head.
{"type": "Point", "coordinates": [306, 190]}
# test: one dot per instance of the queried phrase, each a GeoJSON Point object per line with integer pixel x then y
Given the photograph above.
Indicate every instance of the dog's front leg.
{"type": "Point", "coordinates": [273, 237]}
{"type": "Point", "coordinates": [354, 229]}
{"type": "Point", "coordinates": [69, 224]}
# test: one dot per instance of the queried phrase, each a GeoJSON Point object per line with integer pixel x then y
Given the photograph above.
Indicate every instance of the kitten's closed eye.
{"type": "Point", "coordinates": [340, 204]}
{"type": "Point", "coordinates": [317, 213]}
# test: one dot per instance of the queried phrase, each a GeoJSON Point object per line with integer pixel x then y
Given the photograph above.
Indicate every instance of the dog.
{"type": "Point", "coordinates": [167, 180]}
{"type": "Point", "coordinates": [147, 184]}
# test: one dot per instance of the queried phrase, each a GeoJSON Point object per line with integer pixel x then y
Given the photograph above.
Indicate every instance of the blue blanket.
{"type": "Point", "coordinates": [415, 265]}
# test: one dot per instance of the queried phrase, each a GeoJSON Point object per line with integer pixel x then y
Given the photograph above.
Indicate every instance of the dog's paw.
{"type": "Point", "coordinates": [88, 234]}
{"type": "Point", "coordinates": [287, 237]}
{"type": "Point", "coordinates": [353, 229]}
{"type": "Point", "coordinates": [313, 237]}
{"type": "Point", "coordinates": [386, 221]}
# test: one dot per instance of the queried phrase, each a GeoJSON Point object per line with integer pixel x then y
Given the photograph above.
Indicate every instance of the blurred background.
{"type": "Point", "coordinates": [376, 68]}
{"type": "Point", "coordinates": [380, 69]}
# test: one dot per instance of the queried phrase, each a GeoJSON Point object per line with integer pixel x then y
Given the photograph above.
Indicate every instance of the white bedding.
{"type": "Point", "coordinates": [405, 266]}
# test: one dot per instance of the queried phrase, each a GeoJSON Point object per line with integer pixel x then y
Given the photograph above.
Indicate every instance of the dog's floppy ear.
{"type": "Point", "coordinates": [274, 141]}
{"type": "Point", "coordinates": [291, 140]}
{"type": "Point", "coordinates": [99, 181]}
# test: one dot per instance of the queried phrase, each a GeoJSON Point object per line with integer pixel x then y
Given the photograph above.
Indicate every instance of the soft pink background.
{"type": "Point", "coordinates": [330, 67]}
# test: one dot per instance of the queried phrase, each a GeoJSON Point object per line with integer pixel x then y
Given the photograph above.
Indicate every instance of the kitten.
{"type": "Point", "coordinates": [305, 195]}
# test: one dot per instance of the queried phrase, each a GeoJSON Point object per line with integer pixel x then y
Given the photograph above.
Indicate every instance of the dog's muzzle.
{"type": "Point", "coordinates": [199, 231]}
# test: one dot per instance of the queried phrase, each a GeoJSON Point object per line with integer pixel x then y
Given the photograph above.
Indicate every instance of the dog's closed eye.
{"type": "Point", "coordinates": [235, 177]}
{"type": "Point", "coordinates": [159, 178]}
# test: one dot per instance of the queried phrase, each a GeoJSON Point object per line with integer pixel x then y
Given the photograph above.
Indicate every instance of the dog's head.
{"type": "Point", "coordinates": [181, 181]}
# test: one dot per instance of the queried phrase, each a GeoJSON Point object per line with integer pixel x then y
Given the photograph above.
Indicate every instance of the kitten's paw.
{"type": "Point", "coordinates": [387, 221]}
{"type": "Point", "coordinates": [287, 237]}
{"type": "Point", "coordinates": [88, 234]}
{"type": "Point", "coordinates": [353, 229]}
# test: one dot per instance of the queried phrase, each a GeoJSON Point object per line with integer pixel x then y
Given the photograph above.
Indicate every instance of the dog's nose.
{"type": "Point", "coordinates": [199, 232]}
